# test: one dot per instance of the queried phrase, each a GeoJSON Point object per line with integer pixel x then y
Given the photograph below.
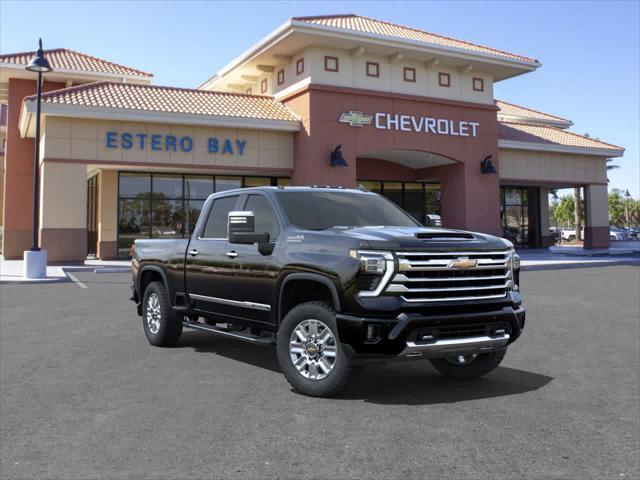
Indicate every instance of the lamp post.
{"type": "Point", "coordinates": [626, 207]}
{"type": "Point", "coordinates": [35, 260]}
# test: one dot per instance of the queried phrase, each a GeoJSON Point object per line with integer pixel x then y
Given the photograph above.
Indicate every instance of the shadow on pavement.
{"type": "Point", "coordinates": [397, 383]}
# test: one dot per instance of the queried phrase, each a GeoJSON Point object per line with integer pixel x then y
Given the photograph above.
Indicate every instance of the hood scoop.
{"type": "Point", "coordinates": [444, 236]}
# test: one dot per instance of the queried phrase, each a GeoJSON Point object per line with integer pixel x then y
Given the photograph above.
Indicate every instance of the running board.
{"type": "Point", "coordinates": [247, 337]}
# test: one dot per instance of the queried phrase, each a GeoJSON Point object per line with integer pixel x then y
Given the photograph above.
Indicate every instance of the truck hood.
{"type": "Point", "coordinates": [409, 238]}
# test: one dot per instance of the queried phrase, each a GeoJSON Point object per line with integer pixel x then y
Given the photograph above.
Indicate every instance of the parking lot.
{"type": "Point", "coordinates": [85, 396]}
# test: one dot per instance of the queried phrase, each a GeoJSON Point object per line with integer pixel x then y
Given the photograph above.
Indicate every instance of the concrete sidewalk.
{"type": "Point", "coordinates": [11, 270]}
{"type": "Point", "coordinates": [544, 259]}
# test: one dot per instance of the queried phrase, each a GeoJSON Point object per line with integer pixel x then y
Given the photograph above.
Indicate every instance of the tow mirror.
{"type": "Point", "coordinates": [241, 228]}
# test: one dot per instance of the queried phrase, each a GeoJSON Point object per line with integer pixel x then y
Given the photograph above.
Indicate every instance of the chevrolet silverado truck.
{"type": "Point", "coordinates": [334, 278]}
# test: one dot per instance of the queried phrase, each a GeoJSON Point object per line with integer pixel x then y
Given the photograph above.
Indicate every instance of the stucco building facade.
{"type": "Point", "coordinates": [413, 115]}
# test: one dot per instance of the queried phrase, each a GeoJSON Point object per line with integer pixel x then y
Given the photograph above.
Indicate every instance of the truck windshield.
{"type": "Point", "coordinates": [321, 210]}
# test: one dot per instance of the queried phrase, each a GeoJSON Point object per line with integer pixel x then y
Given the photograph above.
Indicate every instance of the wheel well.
{"type": "Point", "coordinates": [146, 278]}
{"type": "Point", "coordinates": [300, 291]}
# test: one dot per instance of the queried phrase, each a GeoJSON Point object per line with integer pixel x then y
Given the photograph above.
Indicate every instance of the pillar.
{"type": "Point", "coordinates": [546, 240]}
{"type": "Point", "coordinates": [108, 215]}
{"type": "Point", "coordinates": [63, 211]}
{"type": "Point", "coordinates": [596, 216]}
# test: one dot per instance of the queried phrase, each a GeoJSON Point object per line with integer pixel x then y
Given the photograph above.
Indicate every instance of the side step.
{"type": "Point", "coordinates": [247, 337]}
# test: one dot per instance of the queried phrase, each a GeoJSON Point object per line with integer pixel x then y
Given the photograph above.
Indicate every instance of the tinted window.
{"type": "Point", "coordinates": [264, 216]}
{"type": "Point", "coordinates": [322, 209]}
{"type": "Point", "coordinates": [216, 226]}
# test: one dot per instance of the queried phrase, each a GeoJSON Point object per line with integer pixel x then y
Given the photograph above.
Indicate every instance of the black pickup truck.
{"type": "Point", "coordinates": [334, 278]}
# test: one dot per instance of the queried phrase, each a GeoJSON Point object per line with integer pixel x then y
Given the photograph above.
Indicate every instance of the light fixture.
{"type": "Point", "coordinates": [337, 160]}
{"type": "Point", "coordinates": [486, 166]}
{"type": "Point", "coordinates": [39, 62]}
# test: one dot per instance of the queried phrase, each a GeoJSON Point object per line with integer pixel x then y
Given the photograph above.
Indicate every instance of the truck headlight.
{"type": "Point", "coordinates": [375, 270]}
{"type": "Point", "coordinates": [514, 265]}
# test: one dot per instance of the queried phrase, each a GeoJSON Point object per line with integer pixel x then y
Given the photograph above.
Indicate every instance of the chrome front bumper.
{"type": "Point", "coordinates": [456, 346]}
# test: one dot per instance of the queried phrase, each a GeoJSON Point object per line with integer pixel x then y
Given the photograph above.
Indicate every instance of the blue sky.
{"type": "Point", "coordinates": [589, 50]}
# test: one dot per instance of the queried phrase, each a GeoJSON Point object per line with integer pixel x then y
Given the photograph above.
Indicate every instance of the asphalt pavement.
{"type": "Point", "coordinates": [84, 396]}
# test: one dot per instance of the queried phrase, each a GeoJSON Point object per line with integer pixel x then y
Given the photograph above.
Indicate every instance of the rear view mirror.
{"type": "Point", "coordinates": [241, 229]}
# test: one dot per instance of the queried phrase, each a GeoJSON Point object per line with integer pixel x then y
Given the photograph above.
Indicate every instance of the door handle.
{"type": "Point", "coordinates": [193, 252]}
{"type": "Point", "coordinates": [232, 254]}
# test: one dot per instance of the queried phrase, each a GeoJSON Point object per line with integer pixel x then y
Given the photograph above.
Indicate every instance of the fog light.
{"type": "Point", "coordinates": [373, 333]}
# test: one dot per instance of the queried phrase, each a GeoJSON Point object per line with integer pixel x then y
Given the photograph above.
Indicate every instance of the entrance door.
{"type": "Point", "coordinates": [92, 216]}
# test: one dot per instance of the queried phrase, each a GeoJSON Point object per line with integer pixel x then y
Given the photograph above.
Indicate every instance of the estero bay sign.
{"type": "Point", "coordinates": [411, 123]}
{"type": "Point", "coordinates": [171, 143]}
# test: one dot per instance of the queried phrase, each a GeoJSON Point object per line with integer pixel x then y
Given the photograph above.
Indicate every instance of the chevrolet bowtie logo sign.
{"type": "Point", "coordinates": [356, 119]}
{"type": "Point", "coordinates": [463, 262]}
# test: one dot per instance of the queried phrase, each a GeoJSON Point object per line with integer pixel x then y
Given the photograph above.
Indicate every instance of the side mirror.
{"type": "Point", "coordinates": [241, 229]}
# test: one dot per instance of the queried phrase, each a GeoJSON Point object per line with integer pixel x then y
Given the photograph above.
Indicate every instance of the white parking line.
{"type": "Point", "coordinates": [75, 280]}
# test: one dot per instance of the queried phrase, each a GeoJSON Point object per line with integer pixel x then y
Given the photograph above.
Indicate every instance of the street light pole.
{"type": "Point", "coordinates": [35, 260]}
{"type": "Point", "coordinates": [626, 208]}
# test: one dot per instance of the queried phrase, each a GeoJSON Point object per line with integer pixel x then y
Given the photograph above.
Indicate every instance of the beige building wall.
{"type": "Point", "coordinates": [552, 167]}
{"type": "Point", "coordinates": [352, 73]}
{"type": "Point", "coordinates": [63, 211]}
{"type": "Point", "coordinates": [107, 214]}
{"type": "Point", "coordinates": [85, 140]}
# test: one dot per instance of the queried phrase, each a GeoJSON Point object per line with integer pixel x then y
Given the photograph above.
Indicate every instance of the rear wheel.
{"type": "Point", "coordinates": [309, 351]}
{"type": "Point", "coordinates": [468, 367]}
{"type": "Point", "coordinates": [161, 325]}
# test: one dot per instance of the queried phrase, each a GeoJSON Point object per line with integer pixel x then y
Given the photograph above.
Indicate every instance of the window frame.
{"type": "Point", "coordinates": [248, 91]}
{"type": "Point", "coordinates": [441, 77]}
{"type": "Point", "coordinates": [264, 85]}
{"type": "Point", "coordinates": [377, 67]}
{"type": "Point", "coordinates": [480, 81]}
{"type": "Point", "coordinates": [300, 66]}
{"type": "Point", "coordinates": [327, 59]}
{"type": "Point", "coordinates": [407, 70]}
{"type": "Point", "coordinates": [280, 76]}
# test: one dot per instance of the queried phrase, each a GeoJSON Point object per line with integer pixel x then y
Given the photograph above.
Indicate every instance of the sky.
{"type": "Point", "coordinates": [590, 51]}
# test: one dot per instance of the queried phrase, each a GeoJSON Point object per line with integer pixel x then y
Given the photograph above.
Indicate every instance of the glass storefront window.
{"type": "Point", "coordinates": [160, 205]}
{"type": "Point", "coordinates": [393, 191]}
{"type": "Point", "coordinates": [167, 186]}
{"type": "Point", "coordinates": [198, 187]}
{"type": "Point", "coordinates": [135, 185]}
{"type": "Point", "coordinates": [257, 182]}
{"type": "Point", "coordinates": [228, 183]}
{"type": "Point", "coordinates": [371, 186]}
{"type": "Point", "coordinates": [514, 213]}
{"type": "Point", "coordinates": [284, 182]}
{"type": "Point", "coordinates": [414, 202]}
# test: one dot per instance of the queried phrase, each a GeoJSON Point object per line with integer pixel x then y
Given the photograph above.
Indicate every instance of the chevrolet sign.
{"type": "Point", "coordinates": [355, 119]}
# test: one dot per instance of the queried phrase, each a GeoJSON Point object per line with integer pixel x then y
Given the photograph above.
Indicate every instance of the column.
{"type": "Point", "coordinates": [596, 216]}
{"type": "Point", "coordinates": [108, 215]}
{"type": "Point", "coordinates": [546, 240]}
{"type": "Point", "coordinates": [63, 211]}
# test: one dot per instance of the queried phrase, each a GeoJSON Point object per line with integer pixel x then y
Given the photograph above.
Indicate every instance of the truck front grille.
{"type": "Point", "coordinates": [435, 277]}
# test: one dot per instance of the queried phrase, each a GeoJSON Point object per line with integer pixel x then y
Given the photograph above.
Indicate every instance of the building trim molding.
{"type": "Point", "coordinates": [544, 147]}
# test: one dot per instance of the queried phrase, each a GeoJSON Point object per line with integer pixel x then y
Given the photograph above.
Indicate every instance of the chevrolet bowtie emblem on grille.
{"type": "Point", "coordinates": [463, 262]}
{"type": "Point", "coordinates": [355, 119]}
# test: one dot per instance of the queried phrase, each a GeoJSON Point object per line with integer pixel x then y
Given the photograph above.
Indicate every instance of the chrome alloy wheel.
{"type": "Point", "coordinates": [462, 359]}
{"type": "Point", "coordinates": [153, 313]}
{"type": "Point", "coordinates": [313, 349]}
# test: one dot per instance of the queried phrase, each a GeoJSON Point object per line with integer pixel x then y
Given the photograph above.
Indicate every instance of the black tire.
{"type": "Point", "coordinates": [343, 370]}
{"type": "Point", "coordinates": [483, 364]}
{"type": "Point", "coordinates": [168, 332]}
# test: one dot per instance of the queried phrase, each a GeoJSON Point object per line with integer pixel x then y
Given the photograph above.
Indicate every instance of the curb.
{"type": "Point", "coordinates": [565, 266]}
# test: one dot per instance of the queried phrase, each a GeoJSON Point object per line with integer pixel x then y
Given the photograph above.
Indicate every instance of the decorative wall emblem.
{"type": "Point", "coordinates": [356, 119]}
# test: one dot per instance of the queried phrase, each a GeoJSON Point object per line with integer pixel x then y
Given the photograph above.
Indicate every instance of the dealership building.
{"type": "Point", "coordinates": [333, 100]}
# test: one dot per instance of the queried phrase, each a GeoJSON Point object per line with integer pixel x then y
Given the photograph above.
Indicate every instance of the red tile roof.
{"type": "Point", "coordinates": [65, 59]}
{"type": "Point", "coordinates": [544, 135]}
{"type": "Point", "coordinates": [370, 25]}
{"type": "Point", "coordinates": [152, 98]}
{"type": "Point", "coordinates": [513, 110]}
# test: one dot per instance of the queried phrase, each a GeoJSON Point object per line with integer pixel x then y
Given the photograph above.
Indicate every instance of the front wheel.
{"type": "Point", "coordinates": [309, 352]}
{"type": "Point", "coordinates": [468, 367]}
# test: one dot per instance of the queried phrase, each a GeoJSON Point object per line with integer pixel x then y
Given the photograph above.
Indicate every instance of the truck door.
{"type": "Point", "coordinates": [208, 267]}
{"type": "Point", "coordinates": [254, 282]}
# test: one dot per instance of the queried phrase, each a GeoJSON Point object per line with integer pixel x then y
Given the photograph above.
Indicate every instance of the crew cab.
{"type": "Point", "coordinates": [334, 278]}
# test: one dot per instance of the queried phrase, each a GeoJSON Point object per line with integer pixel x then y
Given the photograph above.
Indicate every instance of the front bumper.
{"type": "Point", "coordinates": [431, 335]}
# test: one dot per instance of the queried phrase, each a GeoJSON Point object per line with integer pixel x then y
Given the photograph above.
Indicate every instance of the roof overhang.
{"type": "Point", "coordinates": [27, 118]}
{"type": "Point", "coordinates": [555, 148]}
{"type": "Point", "coordinates": [533, 121]}
{"type": "Point", "coordinates": [12, 70]}
{"type": "Point", "coordinates": [294, 35]}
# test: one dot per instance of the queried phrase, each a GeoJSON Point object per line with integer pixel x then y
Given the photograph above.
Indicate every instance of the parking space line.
{"type": "Point", "coordinates": [75, 280]}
